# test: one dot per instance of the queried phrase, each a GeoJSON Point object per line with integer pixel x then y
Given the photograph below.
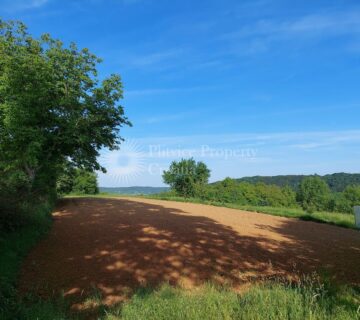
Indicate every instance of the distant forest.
{"type": "Point", "coordinates": [337, 181]}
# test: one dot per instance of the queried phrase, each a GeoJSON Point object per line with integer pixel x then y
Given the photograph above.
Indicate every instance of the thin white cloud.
{"type": "Point", "coordinates": [312, 25]}
{"type": "Point", "coordinates": [155, 91]}
{"type": "Point", "coordinates": [20, 5]}
{"type": "Point", "coordinates": [169, 117]}
{"type": "Point", "coordinates": [289, 139]}
{"type": "Point", "coordinates": [247, 154]}
{"type": "Point", "coordinates": [260, 36]}
{"type": "Point", "coordinates": [155, 58]}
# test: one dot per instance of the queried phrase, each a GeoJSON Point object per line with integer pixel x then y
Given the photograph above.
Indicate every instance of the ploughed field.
{"type": "Point", "coordinates": [118, 245]}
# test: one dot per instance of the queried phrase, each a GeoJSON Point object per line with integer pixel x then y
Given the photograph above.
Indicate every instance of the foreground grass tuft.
{"type": "Point", "coordinates": [267, 301]}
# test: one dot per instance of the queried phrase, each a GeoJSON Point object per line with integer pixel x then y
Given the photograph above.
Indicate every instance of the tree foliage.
{"type": "Point", "coordinates": [337, 182]}
{"type": "Point", "coordinates": [65, 180]}
{"type": "Point", "coordinates": [186, 176]}
{"type": "Point", "coordinates": [352, 195]}
{"type": "Point", "coordinates": [54, 111]}
{"type": "Point", "coordinates": [244, 193]}
{"type": "Point", "coordinates": [85, 182]}
{"type": "Point", "coordinates": [313, 194]}
{"type": "Point", "coordinates": [78, 181]}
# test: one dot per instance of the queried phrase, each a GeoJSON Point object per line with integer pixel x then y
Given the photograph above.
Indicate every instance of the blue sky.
{"type": "Point", "coordinates": [250, 87]}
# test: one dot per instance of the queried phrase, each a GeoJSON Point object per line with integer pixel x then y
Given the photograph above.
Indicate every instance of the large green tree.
{"type": "Point", "coordinates": [187, 177]}
{"type": "Point", "coordinates": [54, 110]}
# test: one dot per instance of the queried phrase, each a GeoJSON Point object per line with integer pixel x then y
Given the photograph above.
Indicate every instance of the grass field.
{"type": "Point", "coordinates": [310, 298]}
{"type": "Point", "coordinates": [267, 301]}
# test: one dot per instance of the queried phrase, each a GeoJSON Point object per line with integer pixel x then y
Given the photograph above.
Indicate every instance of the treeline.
{"type": "Point", "coordinates": [188, 178]}
{"type": "Point", "coordinates": [312, 194]}
{"type": "Point", "coordinates": [55, 116]}
{"type": "Point", "coordinates": [337, 182]}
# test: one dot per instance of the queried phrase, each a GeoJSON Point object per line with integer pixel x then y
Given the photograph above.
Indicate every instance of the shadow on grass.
{"type": "Point", "coordinates": [117, 246]}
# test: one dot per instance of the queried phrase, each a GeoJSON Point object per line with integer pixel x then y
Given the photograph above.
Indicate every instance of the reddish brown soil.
{"type": "Point", "coordinates": [117, 245]}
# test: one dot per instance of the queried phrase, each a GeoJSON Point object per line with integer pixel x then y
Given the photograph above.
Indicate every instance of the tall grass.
{"type": "Point", "coordinates": [275, 301]}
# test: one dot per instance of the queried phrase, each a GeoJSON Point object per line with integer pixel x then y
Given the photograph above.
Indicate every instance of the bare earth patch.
{"type": "Point", "coordinates": [117, 245]}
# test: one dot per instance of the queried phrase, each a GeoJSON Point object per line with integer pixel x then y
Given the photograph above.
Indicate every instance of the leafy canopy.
{"type": "Point", "coordinates": [352, 195]}
{"type": "Point", "coordinates": [85, 182]}
{"type": "Point", "coordinates": [313, 194]}
{"type": "Point", "coordinates": [54, 113]}
{"type": "Point", "coordinates": [53, 108]}
{"type": "Point", "coordinates": [187, 176]}
{"type": "Point", "coordinates": [78, 181]}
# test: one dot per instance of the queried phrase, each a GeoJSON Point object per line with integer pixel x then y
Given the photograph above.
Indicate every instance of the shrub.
{"type": "Point", "coordinates": [339, 203]}
{"type": "Point", "coordinates": [352, 195]}
{"type": "Point", "coordinates": [244, 193]}
{"type": "Point", "coordinates": [85, 182]}
{"type": "Point", "coordinates": [313, 194]}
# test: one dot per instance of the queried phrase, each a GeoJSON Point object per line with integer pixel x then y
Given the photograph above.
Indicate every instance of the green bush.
{"type": "Point", "coordinates": [339, 203]}
{"type": "Point", "coordinates": [244, 193]}
{"type": "Point", "coordinates": [313, 194]}
{"type": "Point", "coordinates": [352, 195]}
{"type": "Point", "coordinates": [85, 182]}
{"type": "Point", "coordinates": [18, 202]}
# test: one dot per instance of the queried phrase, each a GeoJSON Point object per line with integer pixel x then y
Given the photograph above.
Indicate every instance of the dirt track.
{"type": "Point", "coordinates": [119, 244]}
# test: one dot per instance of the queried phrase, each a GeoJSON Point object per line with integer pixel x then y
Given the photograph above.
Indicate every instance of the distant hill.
{"type": "Point", "coordinates": [337, 181]}
{"type": "Point", "coordinates": [134, 190]}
